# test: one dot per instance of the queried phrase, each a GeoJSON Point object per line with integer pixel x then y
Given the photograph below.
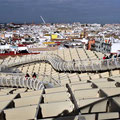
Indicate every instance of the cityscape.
{"type": "Point", "coordinates": [59, 60]}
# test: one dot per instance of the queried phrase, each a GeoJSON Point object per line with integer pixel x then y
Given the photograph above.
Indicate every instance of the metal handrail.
{"type": "Point", "coordinates": [19, 82]}
{"type": "Point", "coordinates": [60, 65]}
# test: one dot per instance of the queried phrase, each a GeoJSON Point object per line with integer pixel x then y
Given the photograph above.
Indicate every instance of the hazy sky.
{"type": "Point", "coordinates": [84, 11]}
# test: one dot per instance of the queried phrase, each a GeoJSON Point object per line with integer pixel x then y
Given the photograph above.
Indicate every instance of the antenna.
{"type": "Point", "coordinates": [43, 20]}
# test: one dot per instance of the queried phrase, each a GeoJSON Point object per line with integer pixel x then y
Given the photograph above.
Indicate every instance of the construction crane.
{"type": "Point", "coordinates": [43, 20]}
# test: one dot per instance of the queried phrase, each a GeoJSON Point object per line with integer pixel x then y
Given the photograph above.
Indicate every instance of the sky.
{"type": "Point", "coordinates": [60, 11]}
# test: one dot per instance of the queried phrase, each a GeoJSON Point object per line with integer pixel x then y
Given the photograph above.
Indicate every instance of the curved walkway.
{"type": "Point", "coordinates": [61, 65]}
{"type": "Point", "coordinates": [58, 64]}
{"type": "Point", "coordinates": [21, 82]}
{"type": "Point", "coordinates": [30, 83]}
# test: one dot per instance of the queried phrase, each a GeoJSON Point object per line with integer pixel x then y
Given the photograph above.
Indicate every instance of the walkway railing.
{"type": "Point", "coordinates": [61, 65]}
{"type": "Point", "coordinates": [57, 63]}
{"type": "Point", "coordinates": [21, 82]}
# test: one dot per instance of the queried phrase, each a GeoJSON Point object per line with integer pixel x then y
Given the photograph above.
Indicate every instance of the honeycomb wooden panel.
{"type": "Point", "coordinates": [111, 91]}
{"type": "Point", "coordinates": [7, 97]}
{"type": "Point", "coordinates": [64, 81]}
{"type": "Point", "coordinates": [117, 79]}
{"type": "Point", "coordinates": [65, 118]}
{"type": "Point", "coordinates": [67, 55]}
{"type": "Point", "coordinates": [99, 80]}
{"type": "Point", "coordinates": [57, 108]}
{"type": "Point", "coordinates": [63, 78]}
{"type": "Point", "coordinates": [90, 54]}
{"type": "Point", "coordinates": [73, 54]}
{"type": "Point", "coordinates": [4, 104]}
{"type": "Point", "coordinates": [115, 72]}
{"type": "Point", "coordinates": [22, 113]}
{"type": "Point", "coordinates": [36, 68]}
{"type": "Point", "coordinates": [60, 53]}
{"type": "Point", "coordinates": [33, 93]}
{"type": "Point", "coordinates": [30, 69]}
{"type": "Point", "coordinates": [94, 76]}
{"type": "Point", "coordinates": [85, 102]}
{"type": "Point", "coordinates": [73, 78]}
{"type": "Point", "coordinates": [57, 89]}
{"type": "Point", "coordinates": [105, 84]}
{"type": "Point", "coordinates": [27, 101]}
{"type": "Point", "coordinates": [80, 82]}
{"type": "Point", "coordinates": [55, 97]}
{"type": "Point", "coordinates": [97, 107]}
{"type": "Point", "coordinates": [105, 74]}
{"type": "Point", "coordinates": [55, 75]}
{"type": "Point", "coordinates": [42, 68]}
{"type": "Point", "coordinates": [20, 90]}
{"type": "Point", "coordinates": [117, 100]}
{"type": "Point", "coordinates": [108, 116]}
{"type": "Point", "coordinates": [84, 78]}
{"type": "Point", "coordinates": [81, 86]}
{"type": "Point", "coordinates": [88, 93]}
{"type": "Point", "coordinates": [89, 116]}
{"type": "Point", "coordinates": [2, 93]}
{"type": "Point", "coordinates": [25, 69]}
